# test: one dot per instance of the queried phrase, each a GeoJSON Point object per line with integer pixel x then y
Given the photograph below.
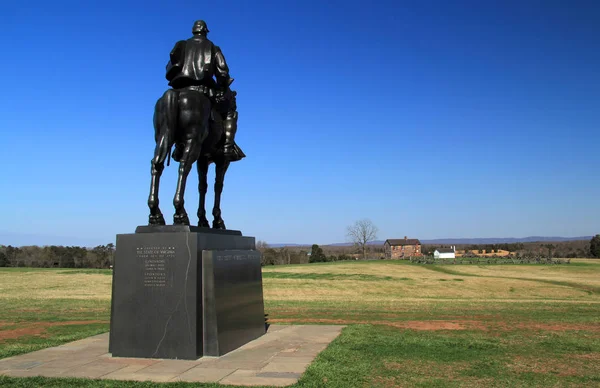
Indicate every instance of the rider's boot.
{"type": "Point", "coordinates": [230, 128]}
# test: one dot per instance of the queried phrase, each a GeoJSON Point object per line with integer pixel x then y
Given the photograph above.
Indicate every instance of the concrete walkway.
{"type": "Point", "coordinates": [278, 358]}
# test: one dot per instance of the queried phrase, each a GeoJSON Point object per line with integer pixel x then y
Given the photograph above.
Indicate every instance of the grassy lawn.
{"type": "Point", "coordinates": [408, 325]}
{"type": "Point", "coordinates": [47, 307]}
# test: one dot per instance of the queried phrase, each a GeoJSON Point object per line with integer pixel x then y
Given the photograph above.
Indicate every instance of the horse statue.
{"type": "Point", "coordinates": [198, 116]}
{"type": "Point", "coordinates": [189, 121]}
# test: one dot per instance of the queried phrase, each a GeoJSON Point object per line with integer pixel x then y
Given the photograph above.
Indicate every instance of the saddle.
{"type": "Point", "coordinates": [237, 152]}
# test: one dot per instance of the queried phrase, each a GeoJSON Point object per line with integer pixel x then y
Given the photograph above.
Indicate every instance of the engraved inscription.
{"type": "Point", "coordinates": [155, 264]}
{"type": "Point", "coordinates": [234, 257]}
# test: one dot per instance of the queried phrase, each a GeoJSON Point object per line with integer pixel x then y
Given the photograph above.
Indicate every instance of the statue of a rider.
{"type": "Point", "coordinates": [193, 64]}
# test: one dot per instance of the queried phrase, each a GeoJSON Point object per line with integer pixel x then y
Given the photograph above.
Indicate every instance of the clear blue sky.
{"type": "Point", "coordinates": [433, 118]}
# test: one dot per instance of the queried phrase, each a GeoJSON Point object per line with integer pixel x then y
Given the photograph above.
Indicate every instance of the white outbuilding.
{"type": "Point", "coordinates": [445, 253]}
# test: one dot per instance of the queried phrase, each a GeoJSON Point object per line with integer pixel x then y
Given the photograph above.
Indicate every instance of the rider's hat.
{"type": "Point", "coordinates": [199, 27]}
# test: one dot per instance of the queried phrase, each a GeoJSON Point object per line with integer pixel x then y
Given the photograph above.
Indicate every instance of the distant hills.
{"type": "Point", "coordinates": [508, 240]}
{"type": "Point", "coordinates": [461, 241]}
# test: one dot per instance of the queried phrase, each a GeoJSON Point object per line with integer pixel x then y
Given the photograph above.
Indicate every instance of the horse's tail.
{"type": "Point", "coordinates": [165, 124]}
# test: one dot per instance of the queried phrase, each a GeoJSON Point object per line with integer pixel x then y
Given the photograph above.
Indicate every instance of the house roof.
{"type": "Point", "coordinates": [401, 241]}
{"type": "Point", "coordinates": [445, 250]}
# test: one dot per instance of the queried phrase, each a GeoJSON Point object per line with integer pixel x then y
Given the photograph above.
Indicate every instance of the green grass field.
{"type": "Point", "coordinates": [408, 325]}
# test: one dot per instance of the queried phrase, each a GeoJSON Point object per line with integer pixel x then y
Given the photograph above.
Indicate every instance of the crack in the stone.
{"type": "Point", "coordinates": [165, 332]}
{"type": "Point", "coordinates": [183, 296]}
{"type": "Point", "coordinates": [187, 314]}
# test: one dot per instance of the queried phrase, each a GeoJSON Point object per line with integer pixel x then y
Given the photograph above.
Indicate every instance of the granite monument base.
{"type": "Point", "coordinates": [183, 292]}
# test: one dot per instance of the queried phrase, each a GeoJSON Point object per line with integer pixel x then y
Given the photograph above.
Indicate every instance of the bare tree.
{"type": "Point", "coordinates": [261, 245]}
{"type": "Point", "coordinates": [361, 233]}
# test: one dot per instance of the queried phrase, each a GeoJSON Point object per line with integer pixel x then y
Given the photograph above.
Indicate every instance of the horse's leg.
{"type": "Point", "coordinates": [202, 166]}
{"type": "Point", "coordinates": [185, 165]}
{"type": "Point", "coordinates": [161, 152]}
{"type": "Point", "coordinates": [221, 168]}
{"type": "Point", "coordinates": [158, 165]}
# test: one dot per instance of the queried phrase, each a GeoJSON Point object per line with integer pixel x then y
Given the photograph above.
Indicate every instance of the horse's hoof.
{"type": "Point", "coordinates": [203, 223]}
{"type": "Point", "coordinates": [219, 224]}
{"type": "Point", "coordinates": [156, 219]}
{"type": "Point", "coordinates": [181, 219]}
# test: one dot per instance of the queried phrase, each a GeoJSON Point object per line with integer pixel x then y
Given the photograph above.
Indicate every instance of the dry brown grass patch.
{"type": "Point", "coordinates": [422, 367]}
{"type": "Point", "coordinates": [410, 325]}
{"type": "Point", "coordinates": [413, 372]}
{"type": "Point", "coordinates": [504, 326]}
{"type": "Point", "coordinates": [569, 365]}
{"type": "Point", "coordinates": [38, 328]}
{"type": "Point", "coordinates": [595, 357]}
{"type": "Point", "coordinates": [46, 285]}
{"type": "Point", "coordinates": [425, 284]}
{"type": "Point", "coordinates": [582, 275]}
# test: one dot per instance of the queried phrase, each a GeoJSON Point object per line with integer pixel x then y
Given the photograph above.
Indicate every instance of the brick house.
{"type": "Point", "coordinates": [402, 248]}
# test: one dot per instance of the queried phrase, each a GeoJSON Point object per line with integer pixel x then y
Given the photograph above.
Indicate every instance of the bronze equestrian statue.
{"type": "Point", "coordinates": [198, 115]}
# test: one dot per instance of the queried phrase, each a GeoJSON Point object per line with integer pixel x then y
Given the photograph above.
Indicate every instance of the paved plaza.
{"type": "Point", "coordinates": [278, 358]}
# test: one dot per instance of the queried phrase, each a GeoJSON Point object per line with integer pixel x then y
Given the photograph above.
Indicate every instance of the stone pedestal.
{"type": "Point", "coordinates": [182, 292]}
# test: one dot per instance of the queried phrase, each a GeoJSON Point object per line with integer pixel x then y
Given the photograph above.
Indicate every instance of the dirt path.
{"type": "Point", "coordinates": [35, 328]}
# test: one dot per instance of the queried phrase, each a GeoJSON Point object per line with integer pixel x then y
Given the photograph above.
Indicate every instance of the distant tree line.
{"type": "Point", "coordinates": [318, 256]}
{"type": "Point", "coordinates": [564, 249]}
{"type": "Point", "coordinates": [595, 246]}
{"type": "Point", "coordinates": [279, 256]}
{"type": "Point", "coordinates": [102, 256]}
{"type": "Point", "coordinates": [295, 255]}
{"type": "Point", "coordinates": [52, 256]}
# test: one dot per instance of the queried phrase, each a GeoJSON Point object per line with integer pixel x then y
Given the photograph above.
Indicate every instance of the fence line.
{"type": "Point", "coordinates": [489, 260]}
